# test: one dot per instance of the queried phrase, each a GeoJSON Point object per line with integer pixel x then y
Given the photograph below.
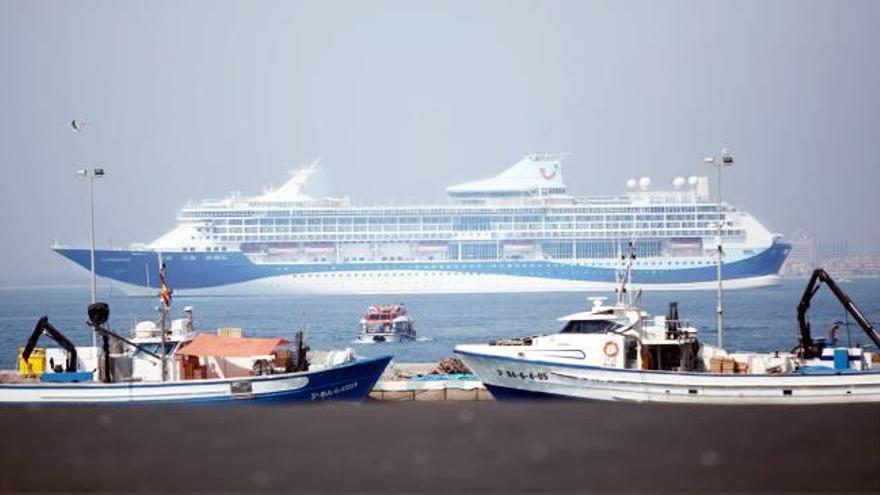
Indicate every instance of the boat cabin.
{"type": "Point", "coordinates": [622, 336]}
{"type": "Point", "coordinates": [219, 356]}
{"type": "Point", "coordinates": [386, 323]}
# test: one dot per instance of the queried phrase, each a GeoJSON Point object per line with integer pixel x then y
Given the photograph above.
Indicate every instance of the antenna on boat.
{"type": "Point", "coordinates": [304, 325]}
{"type": "Point", "coordinates": [164, 305]}
{"type": "Point", "coordinates": [624, 275]}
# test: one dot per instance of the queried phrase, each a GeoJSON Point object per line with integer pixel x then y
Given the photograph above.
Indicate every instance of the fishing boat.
{"type": "Point", "coordinates": [617, 352]}
{"type": "Point", "coordinates": [386, 323]}
{"type": "Point", "coordinates": [158, 364]}
{"type": "Point", "coordinates": [193, 368]}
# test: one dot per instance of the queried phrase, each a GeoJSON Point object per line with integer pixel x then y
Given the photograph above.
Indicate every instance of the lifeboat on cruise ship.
{"type": "Point", "coordinates": [433, 247]}
{"type": "Point", "coordinates": [319, 248]}
{"type": "Point", "coordinates": [284, 248]}
{"type": "Point", "coordinates": [520, 246]}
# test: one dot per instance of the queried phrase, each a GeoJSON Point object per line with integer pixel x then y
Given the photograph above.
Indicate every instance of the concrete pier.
{"type": "Point", "coordinates": [397, 384]}
{"type": "Point", "coordinates": [453, 390]}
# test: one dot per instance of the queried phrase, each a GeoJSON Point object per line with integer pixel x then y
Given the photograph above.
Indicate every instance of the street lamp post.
{"type": "Point", "coordinates": [91, 175]}
{"type": "Point", "coordinates": [725, 161]}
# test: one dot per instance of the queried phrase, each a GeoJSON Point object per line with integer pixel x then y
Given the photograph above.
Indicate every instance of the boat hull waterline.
{"type": "Point", "coordinates": [348, 382]}
{"type": "Point", "coordinates": [389, 338]}
{"type": "Point", "coordinates": [512, 378]}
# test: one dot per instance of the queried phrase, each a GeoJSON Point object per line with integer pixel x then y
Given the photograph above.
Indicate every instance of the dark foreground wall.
{"type": "Point", "coordinates": [442, 447]}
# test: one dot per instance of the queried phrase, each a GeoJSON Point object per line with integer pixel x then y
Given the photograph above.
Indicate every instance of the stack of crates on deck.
{"type": "Point", "coordinates": [230, 332]}
{"type": "Point", "coordinates": [727, 365]}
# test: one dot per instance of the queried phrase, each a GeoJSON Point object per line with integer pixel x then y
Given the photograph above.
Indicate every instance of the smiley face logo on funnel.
{"type": "Point", "coordinates": [549, 175]}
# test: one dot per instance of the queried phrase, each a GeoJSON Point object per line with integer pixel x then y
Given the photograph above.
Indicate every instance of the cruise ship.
{"type": "Point", "coordinates": [520, 231]}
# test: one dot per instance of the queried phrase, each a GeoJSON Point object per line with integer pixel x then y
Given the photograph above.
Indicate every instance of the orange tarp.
{"type": "Point", "coordinates": [206, 344]}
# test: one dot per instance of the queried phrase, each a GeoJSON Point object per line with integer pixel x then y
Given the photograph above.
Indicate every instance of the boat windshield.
{"type": "Point", "coordinates": [590, 326]}
{"type": "Point", "coordinates": [156, 348]}
{"type": "Point", "coordinates": [376, 327]}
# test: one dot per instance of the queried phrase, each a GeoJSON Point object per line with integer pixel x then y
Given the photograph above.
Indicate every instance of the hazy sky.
{"type": "Point", "coordinates": [187, 100]}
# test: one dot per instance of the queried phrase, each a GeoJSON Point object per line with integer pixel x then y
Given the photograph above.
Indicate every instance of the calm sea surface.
{"type": "Point", "coordinates": [759, 319]}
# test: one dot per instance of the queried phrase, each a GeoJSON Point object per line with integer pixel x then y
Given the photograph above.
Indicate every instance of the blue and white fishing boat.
{"type": "Point", "coordinates": [518, 231]}
{"type": "Point", "coordinates": [618, 352]}
{"type": "Point", "coordinates": [348, 381]}
{"type": "Point", "coordinates": [157, 364]}
{"type": "Point", "coordinates": [197, 368]}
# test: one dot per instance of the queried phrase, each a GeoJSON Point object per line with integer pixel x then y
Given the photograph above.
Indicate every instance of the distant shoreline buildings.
{"type": "Point", "coordinates": [808, 253]}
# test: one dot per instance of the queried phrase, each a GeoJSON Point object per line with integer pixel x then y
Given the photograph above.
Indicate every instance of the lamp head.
{"type": "Point", "coordinates": [98, 313]}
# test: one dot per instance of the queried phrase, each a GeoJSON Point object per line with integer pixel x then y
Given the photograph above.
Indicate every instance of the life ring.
{"type": "Point", "coordinates": [610, 349]}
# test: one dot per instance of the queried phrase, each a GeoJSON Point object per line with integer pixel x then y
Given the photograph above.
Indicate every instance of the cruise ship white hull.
{"type": "Point", "coordinates": [422, 282]}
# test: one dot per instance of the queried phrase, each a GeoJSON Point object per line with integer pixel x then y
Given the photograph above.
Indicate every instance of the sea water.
{"type": "Point", "coordinates": [755, 319]}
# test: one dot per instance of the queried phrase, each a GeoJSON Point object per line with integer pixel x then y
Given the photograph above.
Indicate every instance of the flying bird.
{"type": "Point", "coordinates": [77, 126]}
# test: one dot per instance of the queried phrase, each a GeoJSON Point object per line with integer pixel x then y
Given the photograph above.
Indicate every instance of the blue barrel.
{"type": "Point", "coordinates": [67, 377]}
{"type": "Point", "coordinates": [841, 359]}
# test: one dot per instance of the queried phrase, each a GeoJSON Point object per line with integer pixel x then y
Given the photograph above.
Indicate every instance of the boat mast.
{"type": "Point", "coordinates": [624, 276]}
{"type": "Point", "coordinates": [164, 302]}
{"type": "Point", "coordinates": [725, 161]}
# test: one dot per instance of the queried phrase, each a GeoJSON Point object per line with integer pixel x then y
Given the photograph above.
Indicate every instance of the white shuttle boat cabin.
{"type": "Point", "coordinates": [386, 323]}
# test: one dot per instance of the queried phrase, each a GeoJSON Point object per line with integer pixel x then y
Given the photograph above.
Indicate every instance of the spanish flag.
{"type": "Point", "coordinates": [166, 292]}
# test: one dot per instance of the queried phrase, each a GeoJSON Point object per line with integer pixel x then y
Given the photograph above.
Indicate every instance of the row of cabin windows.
{"type": "Point", "coordinates": [486, 219]}
{"type": "Point", "coordinates": [208, 249]}
{"type": "Point", "coordinates": [446, 212]}
{"type": "Point", "coordinates": [591, 326]}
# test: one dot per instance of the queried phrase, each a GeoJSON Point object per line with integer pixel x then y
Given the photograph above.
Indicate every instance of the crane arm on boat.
{"type": "Point", "coordinates": [810, 348]}
{"type": "Point", "coordinates": [45, 328]}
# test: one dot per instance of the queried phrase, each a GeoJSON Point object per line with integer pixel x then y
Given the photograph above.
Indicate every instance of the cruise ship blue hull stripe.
{"type": "Point", "coordinates": [203, 270]}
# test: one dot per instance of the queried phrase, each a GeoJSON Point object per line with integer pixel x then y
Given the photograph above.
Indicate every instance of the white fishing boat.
{"type": "Point", "coordinates": [618, 352]}
{"type": "Point", "coordinates": [386, 323]}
